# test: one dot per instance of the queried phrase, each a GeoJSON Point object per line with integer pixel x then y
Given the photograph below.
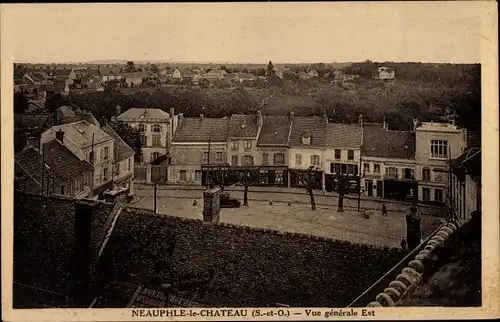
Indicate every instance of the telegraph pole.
{"type": "Point", "coordinates": [155, 197]}
{"type": "Point", "coordinates": [43, 168]}
{"type": "Point", "coordinates": [360, 167]}
{"type": "Point", "coordinates": [208, 162]}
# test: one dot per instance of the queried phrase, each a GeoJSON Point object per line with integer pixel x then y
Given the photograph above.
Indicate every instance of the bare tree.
{"type": "Point", "coordinates": [309, 181]}
{"type": "Point", "coordinates": [343, 181]}
{"type": "Point", "coordinates": [246, 177]}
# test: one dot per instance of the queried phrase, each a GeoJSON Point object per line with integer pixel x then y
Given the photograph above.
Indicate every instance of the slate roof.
{"type": "Point", "coordinates": [135, 75]}
{"type": "Point", "coordinates": [110, 71]}
{"type": "Point", "coordinates": [81, 133]}
{"type": "Point", "coordinates": [311, 125]}
{"type": "Point", "coordinates": [469, 163]}
{"type": "Point", "coordinates": [25, 121]}
{"type": "Point", "coordinates": [62, 72]}
{"type": "Point", "coordinates": [198, 130]}
{"type": "Point", "coordinates": [243, 126]}
{"type": "Point", "coordinates": [121, 149]}
{"type": "Point", "coordinates": [29, 163]}
{"type": "Point", "coordinates": [275, 130]}
{"type": "Point", "coordinates": [143, 114]}
{"type": "Point", "coordinates": [66, 111]}
{"type": "Point", "coordinates": [93, 72]}
{"type": "Point", "coordinates": [343, 136]}
{"type": "Point", "coordinates": [378, 142]}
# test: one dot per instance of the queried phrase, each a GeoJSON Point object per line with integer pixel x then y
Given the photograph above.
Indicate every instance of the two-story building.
{"type": "Point", "coordinates": [199, 150]}
{"type": "Point", "coordinates": [52, 170]}
{"type": "Point", "coordinates": [272, 150]}
{"type": "Point", "coordinates": [87, 142]}
{"type": "Point", "coordinates": [307, 147]}
{"type": "Point", "coordinates": [342, 154]}
{"type": "Point", "coordinates": [388, 160]}
{"type": "Point", "coordinates": [436, 145]}
{"type": "Point", "coordinates": [123, 169]}
{"type": "Point", "coordinates": [156, 128]}
{"type": "Point", "coordinates": [243, 132]}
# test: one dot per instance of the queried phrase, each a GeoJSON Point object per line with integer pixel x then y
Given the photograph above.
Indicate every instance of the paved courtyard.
{"type": "Point", "coordinates": [325, 221]}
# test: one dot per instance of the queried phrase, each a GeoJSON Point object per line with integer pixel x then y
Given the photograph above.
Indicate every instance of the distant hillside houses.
{"type": "Point", "coordinates": [384, 73]}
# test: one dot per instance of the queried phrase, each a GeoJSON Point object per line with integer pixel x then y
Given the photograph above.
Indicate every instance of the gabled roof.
{"type": "Point", "coordinates": [340, 135]}
{"type": "Point", "coordinates": [243, 126]}
{"type": "Point", "coordinates": [135, 75]}
{"type": "Point", "coordinates": [308, 125]}
{"type": "Point", "coordinates": [81, 133]}
{"type": "Point", "coordinates": [29, 163]}
{"type": "Point", "coordinates": [62, 72]}
{"type": "Point", "coordinates": [66, 111]}
{"type": "Point", "coordinates": [143, 114]}
{"type": "Point", "coordinates": [93, 72]}
{"type": "Point", "coordinates": [110, 71]}
{"type": "Point", "coordinates": [275, 130]}
{"type": "Point", "coordinates": [122, 150]}
{"type": "Point", "coordinates": [379, 142]}
{"type": "Point", "coordinates": [200, 130]}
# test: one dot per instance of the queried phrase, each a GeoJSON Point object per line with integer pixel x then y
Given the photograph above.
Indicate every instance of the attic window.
{"type": "Point", "coordinates": [243, 126]}
{"type": "Point", "coordinates": [306, 139]}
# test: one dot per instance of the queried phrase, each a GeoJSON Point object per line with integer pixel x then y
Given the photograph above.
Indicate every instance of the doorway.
{"type": "Point", "coordinates": [369, 187]}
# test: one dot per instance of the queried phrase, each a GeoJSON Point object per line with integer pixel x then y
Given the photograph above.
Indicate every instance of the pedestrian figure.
{"type": "Point", "coordinates": [384, 210]}
{"type": "Point", "coordinates": [403, 244]}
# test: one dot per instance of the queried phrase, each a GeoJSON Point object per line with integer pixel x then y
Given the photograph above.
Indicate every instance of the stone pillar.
{"type": "Point", "coordinates": [148, 173]}
{"type": "Point", "coordinates": [288, 178]}
{"type": "Point", "coordinates": [323, 185]}
{"type": "Point", "coordinates": [413, 234]}
{"type": "Point", "coordinates": [211, 204]}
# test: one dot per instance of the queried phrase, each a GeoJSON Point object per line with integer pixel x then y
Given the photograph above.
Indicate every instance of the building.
{"type": "Point", "coordinates": [313, 73]}
{"type": "Point", "coordinates": [64, 75]}
{"type": "Point", "coordinates": [385, 73]}
{"type": "Point", "coordinates": [87, 142]}
{"type": "Point", "coordinates": [342, 154]}
{"type": "Point", "coordinates": [156, 128]}
{"type": "Point", "coordinates": [388, 163]}
{"type": "Point", "coordinates": [123, 169]}
{"type": "Point", "coordinates": [463, 196]}
{"type": "Point", "coordinates": [242, 140]}
{"type": "Point", "coordinates": [215, 74]}
{"type": "Point", "coordinates": [91, 82]}
{"type": "Point", "coordinates": [307, 148]}
{"type": "Point", "coordinates": [110, 73]}
{"type": "Point", "coordinates": [435, 145]}
{"type": "Point", "coordinates": [272, 149]}
{"type": "Point", "coordinates": [134, 79]}
{"type": "Point", "coordinates": [52, 170]}
{"type": "Point", "coordinates": [198, 146]}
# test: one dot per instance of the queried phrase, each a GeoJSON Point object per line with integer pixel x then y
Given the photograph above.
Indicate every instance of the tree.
{"type": "Point", "coordinates": [246, 177]}
{"type": "Point", "coordinates": [130, 67]}
{"type": "Point", "coordinates": [54, 102]}
{"type": "Point", "coordinates": [270, 67]}
{"type": "Point", "coordinates": [342, 184]}
{"type": "Point", "coordinates": [20, 103]}
{"type": "Point", "coordinates": [155, 69]}
{"type": "Point", "coordinates": [309, 181]}
{"type": "Point", "coordinates": [130, 135]}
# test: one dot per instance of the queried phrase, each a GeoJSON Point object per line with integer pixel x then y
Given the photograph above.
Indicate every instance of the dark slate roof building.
{"type": "Point", "coordinates": [275, 131]}
{"type": "Point", "coordinates": [201, 130]}
{"type": "Point", "coordinates": [383, 143]}
{"type": "Point", "coordinates": [312, 126]}
{"type": "Point", "coordinates": [243, 126]}
{"type": "Point", "coordinates": [340, 135]}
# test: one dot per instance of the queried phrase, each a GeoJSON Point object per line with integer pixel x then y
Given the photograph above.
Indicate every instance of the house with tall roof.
{"type": "Point", "coordinates": [435, 145]}
{"type": "Point", "coordinates": [342, 154]}
{"type": "Point", "coordinates": [64, 75]}
{"type": "Point", "coordinates": [199, 144]}
{"type": "Point", "coordinates": [389, 164]}
{"type": "Point", "coordinates": [242, 139]}
{"type": "Point", "coordinates": [307, 148]}
{"type": "Point", "coordinates": [52, 170]}
{"type": "Point", "coordinates": [134, 79]}
{"type": "Point", "coordinates": [272, 149]}
{"type": "Point", "coordinates": [87, 142]}
{"type": "Point", "coordinates": [110, 73]}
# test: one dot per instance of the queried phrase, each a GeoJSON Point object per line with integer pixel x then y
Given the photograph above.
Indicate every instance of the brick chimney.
{"type": "Point", "coordinates": [85, 256]}
{"type": "Point", "coordinates": [361, 120]}
{"type": "Point", "coordinates": [60, 136]}
{"type": "Point", "coordinates": [211, 204]}
{"type": "Point", "coordinates": [292, 115]}
{"type": "Point", "coordinates": [32, 142]}
{"type": "Point", "coordinates": [260, 120]}
{"type": "Point", "coordinates": [172, 112]}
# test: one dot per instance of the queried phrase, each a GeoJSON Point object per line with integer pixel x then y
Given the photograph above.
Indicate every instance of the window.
{"type": "Point", "coordinates": [205, 156]}
{"type": "Point", "coordinates": [352, 169]}
{"type": "Point", "coordinates": [234, 145]}
{"type": "Point", "coordinates": [62, 190]}
{"type": "Point", "coordinates": [118, 168]}
{"type": "Point", "coordinates": [197, 175]}
{"type": "Point", "coordinates": [279, 158]}
{"type": "Point", "coordinates": [105, 153]}
{"type": "Point", "coordinates": [376, 168]}
{"type": "Point", "coordinates": [426, 174]}
{"type": "Point", "coordinates": [439, 176]}
{"type": "Point", "coordinates": [143, 140]}
{"type": "Point", "coordinates": [106, 173]}
{"type": "Point", "coordinates": [155, 156]}
{"type": "Point", "coordinates": [408, 173]}
{"type": "Point", "coordinates": [426, 194]}
{"type": "Point", "coordinates": [335, 167]}
{"type": "Point", "coordinates": [392, 172]}
{"type": "Point", "coordinates": [182, 175]}
{"type": "Point", "coordinates": [315, 159]}
{"type": "Point", "coordinates": [247, 160]}
{"type": "Point", "coordinates": [298, 159]}
{"type": "Point", "coordinates": [350, 154]}
{"type": "Point", "coordinates": [129, 164]}
{"type": "Point", "coordinates": [278, 179]}
{"type": "Point", "coordinates": [438, 195]}
{"type": "Point", "coordinates": [338, 154]}
{"type": "Point", "coordinates": [142, 128]}
{"type": "Point", "coordinates": [182, 157]}
{"type": "Point", "coordinates": [140, 158]}
{"type": "Point", "coordinates": [366, 167]}
{"type": "Point", "coordinates": [439, 149]}
{"type": "Point", "coordinates": [265, 158]}
{"type": "Point", "coordinates": [156, 128]}
{"type": "Point", "coordinates": [234, 160]}
{"type": "Point", "coordinates": [156, 140]}
{"type": "Point", "coordinates": [91, 157]}
{"type": "Point", "coordinates": [248, 145]}
{"type": "Point", "coordinates": [218, 156]}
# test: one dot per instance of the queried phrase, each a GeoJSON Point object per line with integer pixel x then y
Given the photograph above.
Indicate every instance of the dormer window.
{"type": "Point", "coordinates": [306, 139]}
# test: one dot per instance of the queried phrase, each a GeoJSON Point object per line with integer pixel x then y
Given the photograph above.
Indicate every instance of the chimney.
{"type": "Point", "coordinates": [260, 120]}
{"type": "Point", "coordinates": [118, 110]}
{"type": "Point", "coordinates": [201, 116]}
{"type": "Point", "coordinates": [172, 112]}
{"type": "Point", "coordinates": [85, 259]}
{"type": "Point", "coordinates": [292, 115]}
{"type": "Point", "coordinates": [361, 120]}
{"type": "Point", "coordinates": [32, 142]}
{"type": "Point", "coordinates": [415, 123]}
{"type": "Point", "coordinates": [211, 197]}
{"type": "Point", "coordinates": [385, 123]}
{"type": "Point", "coordinates": [325, 116]}
{"type": "Point", "coordinates": [60, 136]}
{"type": "Point", "coordinates": [181, 118]}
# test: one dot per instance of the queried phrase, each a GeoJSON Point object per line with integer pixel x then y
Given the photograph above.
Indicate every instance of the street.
{"type": "Point", "coordinates": [349, 225]}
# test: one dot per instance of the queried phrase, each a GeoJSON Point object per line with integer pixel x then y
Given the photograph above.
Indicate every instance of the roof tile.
{"type": "Point", "coordinates": [243, 126]}
{"type": "Point", "coordinates": [275, 130]}
{"type": "Point", "coordinates": [378, 142]}
{"type": "Point", "coordinates": [312, 125]}
{"type": "Point", "coordinates": [198, 130]}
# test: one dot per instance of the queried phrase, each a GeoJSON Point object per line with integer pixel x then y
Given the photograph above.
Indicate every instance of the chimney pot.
{"type": "Point", "coordinates": [60, 136]}
{"type": "Point", "coordinates": [201, 116]}
{"type": "Point", "coordinates": [292, 115]}
{"type": "Point", "coordinates": [361, 120]}
{"type": "Point", "coordinates": [172, 112]}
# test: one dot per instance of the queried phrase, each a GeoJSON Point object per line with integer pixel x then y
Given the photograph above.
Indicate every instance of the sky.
{"type": "Point", "coordinates": [244, 32]}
